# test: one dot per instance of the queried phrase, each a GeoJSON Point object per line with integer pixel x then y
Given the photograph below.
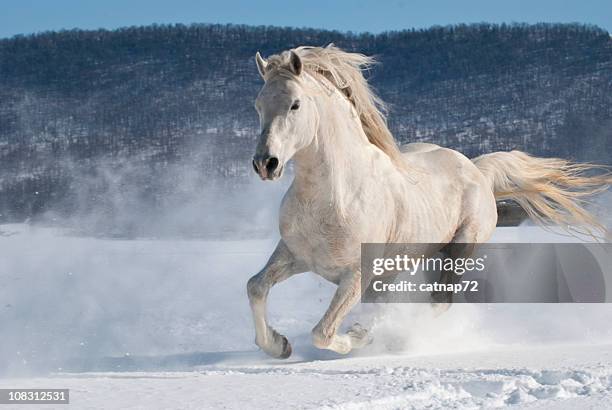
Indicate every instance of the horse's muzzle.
{"type": "Point", "coordinates": [267, 167]}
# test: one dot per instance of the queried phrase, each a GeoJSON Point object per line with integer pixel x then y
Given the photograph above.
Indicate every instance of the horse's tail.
{"type": "Point", "coordinates": [550, 190]}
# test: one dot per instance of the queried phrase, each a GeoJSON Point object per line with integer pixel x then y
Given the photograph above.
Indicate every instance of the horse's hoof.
{"type": "Point", "coordinates": [357, 331]}
{"type": "Point", "coordinates": [360, 336]}
{"type": "Point", "coordinates": [286, 350]}
{"type": "Point", "coordinates": [278, 348]}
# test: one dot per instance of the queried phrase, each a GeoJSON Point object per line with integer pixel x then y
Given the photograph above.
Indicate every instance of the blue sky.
{"type": "Point", "coordinates": [28, 16]}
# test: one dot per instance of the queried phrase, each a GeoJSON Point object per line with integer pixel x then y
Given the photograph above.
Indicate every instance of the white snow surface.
{"type": "Point", "coordinates": [166, 324]}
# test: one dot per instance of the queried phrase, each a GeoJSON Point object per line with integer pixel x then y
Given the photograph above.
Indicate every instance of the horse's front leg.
{"type": "Point", "coordinates": [325, 335]}
{"type": "Point", "coordinates": [280, 266]}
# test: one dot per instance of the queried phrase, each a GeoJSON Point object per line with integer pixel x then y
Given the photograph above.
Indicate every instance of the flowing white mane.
{"type": "Point", "coordinates": [344, 71]}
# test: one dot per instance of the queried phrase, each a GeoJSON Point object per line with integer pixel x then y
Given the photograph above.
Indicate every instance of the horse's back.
{"type": "Point", "coordinates": [439, 160]}
{"type": "Point", "coordinates": [459, 180]}
{"type": "Point", "coordinates": [418, 147]}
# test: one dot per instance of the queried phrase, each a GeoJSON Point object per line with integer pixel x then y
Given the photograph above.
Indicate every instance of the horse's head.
{"type": "Point", "coordinates": [287, 115]}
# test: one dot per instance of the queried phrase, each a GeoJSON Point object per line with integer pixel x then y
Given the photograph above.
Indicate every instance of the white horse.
{"type": "Point", "coordinates": [353, 185]}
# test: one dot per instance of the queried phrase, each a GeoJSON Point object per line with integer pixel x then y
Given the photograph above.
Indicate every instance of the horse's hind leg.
{"type": "Point", "coordinates": [281, 266]}
{"type": "Point", "coordinates": [325, 335]}
{"type": "Point", "coordinates": [480, 217]}
{"type": "Point", "coordinates": [459, 248]}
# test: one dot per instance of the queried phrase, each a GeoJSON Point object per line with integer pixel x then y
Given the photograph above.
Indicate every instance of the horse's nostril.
{"type": "Point", "coordinates": [255, 167]}
{"type": "Point", "coordinates": [271, 165]}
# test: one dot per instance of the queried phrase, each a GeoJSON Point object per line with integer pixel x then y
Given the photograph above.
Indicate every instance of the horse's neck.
{"type": "Point", "coordinates": [339, 158]}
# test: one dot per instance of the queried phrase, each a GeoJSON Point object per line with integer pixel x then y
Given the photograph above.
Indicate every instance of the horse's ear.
{"type": "Point", "coordinates": [295, 63]}
{"type": "Point", "coordinates": [261, 64]}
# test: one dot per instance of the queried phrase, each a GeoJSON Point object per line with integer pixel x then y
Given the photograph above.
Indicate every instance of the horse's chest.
{"type": "Point", "coordinates": [319, 236]}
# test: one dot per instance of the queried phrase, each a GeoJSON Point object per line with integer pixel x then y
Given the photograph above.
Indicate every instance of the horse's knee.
{"type": "Point", "coordinates": [255, 288]}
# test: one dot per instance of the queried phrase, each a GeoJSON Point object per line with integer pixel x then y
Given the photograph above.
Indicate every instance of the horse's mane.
{"type": "Point", "coordinates": [344, 71]}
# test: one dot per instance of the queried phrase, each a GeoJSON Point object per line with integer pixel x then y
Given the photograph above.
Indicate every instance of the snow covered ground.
{"type": "Point", "coordinates": [166, 324]}
{"type": "Point", "coordinates": [569, 377]}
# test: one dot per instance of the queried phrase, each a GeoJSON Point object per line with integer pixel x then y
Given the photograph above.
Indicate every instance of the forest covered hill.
{"type": "Point", "coordinates": [150, 115]}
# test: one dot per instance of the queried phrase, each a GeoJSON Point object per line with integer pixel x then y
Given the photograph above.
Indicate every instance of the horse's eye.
{"type": "Point", "coordinates": [296, 105]}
